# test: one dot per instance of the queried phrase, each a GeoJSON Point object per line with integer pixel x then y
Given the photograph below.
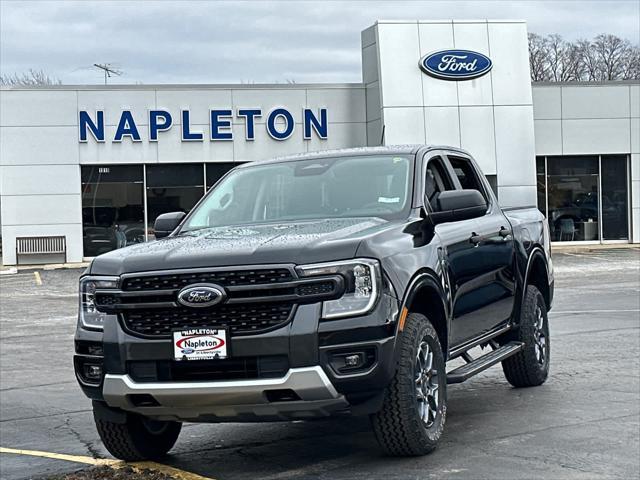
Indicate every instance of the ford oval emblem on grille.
{"type": "Point", "coordinates": [201, 295]}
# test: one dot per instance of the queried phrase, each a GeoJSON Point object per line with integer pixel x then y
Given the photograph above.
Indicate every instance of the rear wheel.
{"type": "Point", "coordinates": [413, 414]}
{"type": "Point", "coordinates": [138, 438]}
{"type": "Point", "coordinates": [530, 366]}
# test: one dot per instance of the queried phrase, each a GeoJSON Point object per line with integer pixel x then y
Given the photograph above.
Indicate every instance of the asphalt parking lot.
{"type": "Point", "coordinates": [584, 423]}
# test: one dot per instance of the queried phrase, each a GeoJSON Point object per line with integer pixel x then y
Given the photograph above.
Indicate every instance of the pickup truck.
{"type": "Point", "coordinates": [317, 285]}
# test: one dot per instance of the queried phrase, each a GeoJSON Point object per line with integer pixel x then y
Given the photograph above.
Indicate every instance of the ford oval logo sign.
{"type": "Point", "coordinates": [201, 295]}
{"type": "Point", "coordinates": [455, 64]}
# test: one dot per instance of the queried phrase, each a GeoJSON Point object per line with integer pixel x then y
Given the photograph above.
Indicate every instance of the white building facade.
{"type": "Point", "coordinates": [94, 165]}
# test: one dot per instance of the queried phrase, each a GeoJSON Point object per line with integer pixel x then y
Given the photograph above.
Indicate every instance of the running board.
{"type": "Point", "coordinates": [464, 372]}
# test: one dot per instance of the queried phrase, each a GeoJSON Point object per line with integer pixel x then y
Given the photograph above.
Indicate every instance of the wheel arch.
{"type": "Point", "coordinates": [425, 296]}
{"type": "Point", "coordinates": [537, 274]}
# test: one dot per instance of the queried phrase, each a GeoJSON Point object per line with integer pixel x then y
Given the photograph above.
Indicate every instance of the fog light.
{"type": "Point", "coordinates": [353, 361]}
{"type": "Point", "coordinates": [92, 372]}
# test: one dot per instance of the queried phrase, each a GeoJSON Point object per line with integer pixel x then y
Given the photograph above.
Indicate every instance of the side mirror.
{"type": "Point", "coordinates": [455, 205]}
{"type": "Point", "coordinates": [167, 223]}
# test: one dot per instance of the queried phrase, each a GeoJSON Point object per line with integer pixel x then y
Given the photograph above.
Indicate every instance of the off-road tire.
{"type": "Point", "coordinates": [524, 369]}
{"type": "Point", "coordinates": [398, 426]}
{"type": "Point", "coordinates": [138, 439]}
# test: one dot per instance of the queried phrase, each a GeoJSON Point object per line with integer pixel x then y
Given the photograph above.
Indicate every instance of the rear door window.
{"type": "Point", "coordinates": [467, 175]}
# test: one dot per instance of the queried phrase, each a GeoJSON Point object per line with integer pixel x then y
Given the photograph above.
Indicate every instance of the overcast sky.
{"type": "Point", "coordinates": [259, 41]}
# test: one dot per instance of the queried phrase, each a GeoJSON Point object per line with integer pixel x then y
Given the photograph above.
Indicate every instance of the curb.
{"type": "Point", "coordinates": [52, 266]}
{"type": "Point", "coordinates": [555, 248]}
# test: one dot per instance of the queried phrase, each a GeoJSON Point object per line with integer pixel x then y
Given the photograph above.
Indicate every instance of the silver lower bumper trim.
{"type": "Point", "coordinates": [217, 401]}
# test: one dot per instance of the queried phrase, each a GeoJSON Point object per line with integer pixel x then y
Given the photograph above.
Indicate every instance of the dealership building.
{"type": "Point", "coordinates": [87, 169]}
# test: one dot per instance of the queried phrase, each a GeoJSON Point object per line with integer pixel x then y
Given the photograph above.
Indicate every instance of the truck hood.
{"type": "Point", "coordinates": [290, 242]}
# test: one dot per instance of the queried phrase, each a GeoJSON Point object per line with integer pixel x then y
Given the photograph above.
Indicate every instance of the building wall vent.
{"type": "Point", "coordinates": [35, 250]}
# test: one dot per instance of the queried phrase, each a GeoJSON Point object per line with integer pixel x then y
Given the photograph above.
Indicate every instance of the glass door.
{"type": "Point", "coordinates": [573, 201]}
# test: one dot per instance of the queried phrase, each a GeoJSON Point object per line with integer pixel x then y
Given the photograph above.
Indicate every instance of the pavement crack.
{"type": "Point", "coordinates": [87, 444]}
{"type": "Point", "coordinates": [545, 461]}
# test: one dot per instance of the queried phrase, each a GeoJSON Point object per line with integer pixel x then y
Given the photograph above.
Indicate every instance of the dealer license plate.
{"type": "Point", "coordinates": [200, 344]}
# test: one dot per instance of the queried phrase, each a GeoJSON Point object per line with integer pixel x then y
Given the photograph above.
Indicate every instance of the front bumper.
{"type": "Point", "coordinates": [220, 400]}
{"type": "Point", "coordinates": [308, 387]}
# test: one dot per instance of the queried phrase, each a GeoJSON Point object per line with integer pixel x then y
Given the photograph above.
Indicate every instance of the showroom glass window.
{"type": "Point", "coordinates": [541, 184]}
{"type": "Point", "coordinates": [172, 188]}
{"type": "Point", "coordinates": [615, 197]}
{"type": "Point", "coordinates": [586, 196]}
{"type": "Point", "coordinates": [493, 183]}
{"type": "Point", "coordinates": [112, 207]}
{"type": "Point", "coordinates": [572, 189]}
{"type": "Point", "coordinates": [215, 171]}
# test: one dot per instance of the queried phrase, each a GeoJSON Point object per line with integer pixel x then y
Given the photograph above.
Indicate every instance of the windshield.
{"type": "Point", "coordinates": [362, 186]}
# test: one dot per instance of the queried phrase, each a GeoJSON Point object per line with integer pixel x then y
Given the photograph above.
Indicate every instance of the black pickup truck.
{"type": "Point", "coordinates": [317, 285]}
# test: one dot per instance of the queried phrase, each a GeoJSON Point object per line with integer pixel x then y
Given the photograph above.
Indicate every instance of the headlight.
{"type": "Point", "coordinates": [90, 317]}
{"type": "Point", "coordinates": [362, 286]}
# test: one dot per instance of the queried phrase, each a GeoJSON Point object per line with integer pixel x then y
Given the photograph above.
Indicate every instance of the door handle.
{"type": "Point", "coordinates": [504, 232]}
{"type": "Point", "coordinates": [475, 238]}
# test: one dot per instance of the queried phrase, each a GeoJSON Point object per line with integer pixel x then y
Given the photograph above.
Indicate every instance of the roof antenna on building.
{"type": "Point", "coordinates": [108, 70]}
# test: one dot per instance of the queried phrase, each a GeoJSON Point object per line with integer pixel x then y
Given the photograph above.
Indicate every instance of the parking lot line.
{"type": "Point", "coordinates": [38, 278]}
{"type": "Point", "coordinates": [61, 456]}
{"type": "Point", "coordinates": [157, 467]}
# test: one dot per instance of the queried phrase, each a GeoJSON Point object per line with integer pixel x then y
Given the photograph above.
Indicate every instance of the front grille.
{"type": "Point", "coordinates": [225, 278]}
{"type": "Point", "coordinates": [239, 319]}
{"type": "Point", "coordinates": [274, 366]}
{"type": "Point", "coordinates": [317, 288]}
{"type": "Point", "coordinates": [256, 299]}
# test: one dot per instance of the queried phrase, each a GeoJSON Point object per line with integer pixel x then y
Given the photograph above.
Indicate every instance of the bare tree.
{"type": "Point", "coordinates": [575, 65]}
{"type": "Point", "coordinates": [554, 58]}
{"type": "Point", "coordinates": [29, 79]}
{"type": "Point", "coordinates": [610, 51]}
{"type": "Point", "coordinates": [589, 60]}
{"type": "Point", "coordinates": [606, 57]}
{"type": "Point", "coordinates": [538, 52]}
{"type": "Point", "coordinates": [631, 64]}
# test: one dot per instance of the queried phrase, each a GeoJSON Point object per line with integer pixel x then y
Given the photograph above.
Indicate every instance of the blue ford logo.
{"type": "Point", "coordinates": [201, 295]}
{"type": "Point", "coordinates": [455, 64]}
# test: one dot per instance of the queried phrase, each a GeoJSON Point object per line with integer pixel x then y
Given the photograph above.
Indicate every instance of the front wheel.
{"type": "Point", "coordinates": [413, 413]}
{"type": "Point", "coordinates": [138, 438]}
{"type": "Point", "coordinates": [530, 366]}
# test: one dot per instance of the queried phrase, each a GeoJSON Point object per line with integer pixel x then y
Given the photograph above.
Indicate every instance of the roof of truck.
{"type": "Point", "coordinates": [346, 152]}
